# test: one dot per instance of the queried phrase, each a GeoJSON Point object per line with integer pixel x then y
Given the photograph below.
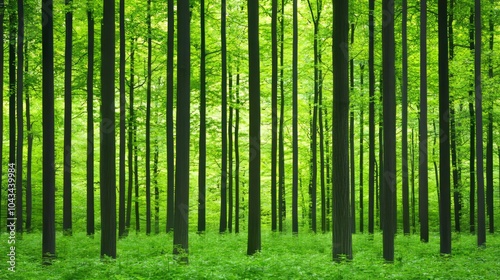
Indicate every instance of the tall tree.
{"type": "Point", "coordinates": [274, 112]}
{"type": "Point", "coordinates": [181, 220]}
{"type": "Point", "coordinates": [351, 141]}
{"type": "Point", "coordinates": [361, 154]}
{"type": "Point", "coordinates": [20, 125]}
{"type": "Point", "coordinates": [107, 147]}
{"type": "Point", "coordinates": [68, 53]}
{"type": "Point", "coordinates": [202, 158]}
{"type": "Point", "coordinates": [371, 118]}
{"type": "Point", "coordinates": [481, 219]}
{"type": "Point", "coordinates": [423, 168]}
{"type": "Point", "coordinates": [489, 156]}
{"type": "Point", "coordinates": [444, 128]}
{"type": "Point", "coordinates": [49, 209]}
{"type": "Point", "coordinates": [90, 119]}
{"type": "Point", "coordinates": [281, 146]}
{"type": "Point", "coordinates": [230, 158]}
{"type": "Point", "coordinates": [148, 120]}
{"type": "Point", "coordinates": [12, 93]}
{"type": "Point", "coordinates": [295, 135]}
{"type": "Point", "coordinates": [170, 116]}
{"type": "Point", "coordinates": [254, 226]}
{"type": "Point", "coordinates": [121, 206]}
{"type": "Point", "coordinates": [223, 179]}
{"type": "Point", "coordinates": [388, 188]}
{"type": "Point", "coordinates": [404, 104]}
{"type": "Point", "coordinates": [342, 237]}
{"type": "Point", "coordinates": [237, 157]}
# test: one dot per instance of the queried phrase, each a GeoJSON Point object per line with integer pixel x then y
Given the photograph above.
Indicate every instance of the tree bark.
{"type": "Point", "coordinates": [90, 120]}
{"type": "Point", "coordinates": [20, 120]}
{"type": "Point", "coordinates": [371, 119]}
{"type": "Point", "coordinates": [121, 217]}
{"type": "Point", "coordinates": [170, 117]}
{"type": "Point", "coordinates": [223, 179]}
{"type": "Point", "coordinates": [202, 159]}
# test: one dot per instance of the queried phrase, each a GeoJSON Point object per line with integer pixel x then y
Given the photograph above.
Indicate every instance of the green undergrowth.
{"type": "Point", "coordinates": [283, 256]}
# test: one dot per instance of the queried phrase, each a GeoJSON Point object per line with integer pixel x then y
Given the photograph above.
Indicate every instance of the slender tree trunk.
{"type": "Point", "coordinates": [342, 238]}
{"type": "Point", "coordinates": [230, 158]}
{"type": "Point", "coordinates": [202, 161]}
{"type": "Point", "coordinates": [361, 154]}
{"type": "Point", "coordinates": [481, 219]}
{"type": "Point", "coordinates": [274, 112]}
{"type": "Point", "coordinates": [352, 194]}
{"type": "Point", "coordinates": [223, 187]}
{"type": "Point", "coordinates": [404, 138]}
{"type": "Point", "coordinates": [295, 145]}
{"type": "Point", "coordinates": [423, 168]}
{"type": "Point", "coordinates": [281, 146]}
{"type": "Point", "coordinates": [133, 128]}
{"type": "Point", "coordinates": [254, 220]}
{"type": "Point", "coordinates": [121, 217]}
{"type": "Point", "coordinates": [371, 119]}
{"type": "Point", "coordinates": [444, 128]}
{"type": "Point", "coordinates": [388, 188]}
{"type": "Point", "coordinates": [237, 157]}
{"type": "Point", "coordinates": [90, 120]}
{"type": "Point", "coordinates": [181, 218]}
{"type": "Point", "coordinates": [412, 180]}
{"type": "Point", "coordinates": [148, 121]}
{"type": "Point", "coordinates": [49, 209]}
{"type": "Point", "coordinates": [170, 116]}
{"type": "Point", "coordinates": [20, 120]}
{"type": "Point", "coordinates": [489, 156]}
{"type": "Point", "coordinates": [155, 185]}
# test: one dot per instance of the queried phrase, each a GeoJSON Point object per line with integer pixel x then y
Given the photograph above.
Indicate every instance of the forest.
{"type": "Point", "coordinates": [280, 139]}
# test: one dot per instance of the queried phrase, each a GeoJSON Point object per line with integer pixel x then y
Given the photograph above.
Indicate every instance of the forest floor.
{"type": "Point", "coordinates": [283, 256]}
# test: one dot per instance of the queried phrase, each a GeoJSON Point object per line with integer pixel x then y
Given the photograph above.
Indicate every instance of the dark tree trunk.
{"type": "Point", "coordinates": [295, 145]}
{"type": "Point", "coordinates": [223, 179]}
{"type": "Point", "coordinates": [254, 220]}
{"type": "Point", "coordinates": [481, 219]}
{"type": "Point", "coordinates": [170, 116]}
{"type": "Point", "coordinates": [181, 218]}
{"type": "Point", "coordinates": [423, 168]}
{"type": "Point", "coordinates": [133, 140]}
{"type": "Point", "coordinates": [281, 146]}
{"type": "Point", "coordinates": [107, 166]}
{"type": "Point", "coordinates": [342, 236]}
{"type": "Point", "coordinates": [404, 138]}
{"type": "Point", "coordinates": [68, 53]}
{"type": "Point", "coordinates": [371, 120]}
{"type": "Point", "coordinates": [156, 188]}
{"type": "Point", "coordinates": [388, 188]}
{"type": "Point", "coordinates": [148, 121]}
{"type": "Point", "coordinates": [20, 125]}
{"type": "Point", "coordinates": [444, 128]}
{"type": "Point", "coordinates": [90, 120]}
{"type": "Point", "coordinates": [237, 158]}
{"type": "Point", "coordinates": [472, 137]}
{"type": "Point", "coordinates": [49, 209]}
{"type": "Point", "coordinates": [274, 112]}
{"type": "Point", "coordinates": [352, 194]}
{"type": "Point", "coordinates": [202, 161]}
{"type": "Point", "coordinates": [121, 217]}
{"type": "Point", "coordinates": [230, 158]}
{"type": "Point", "coordinates": [489, 155]}
{"type": "Point", "coordinates": [412, 180]}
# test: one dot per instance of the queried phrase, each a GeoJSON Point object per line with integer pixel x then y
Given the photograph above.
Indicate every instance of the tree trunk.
{"type": "Point", "coordinates": [90, 120]}
{"type": "Point", "coordinates": [67, 212]}
{"type": "Point", "coordinates": [371, 120]}
{"type": "Point", "coordinates": [181, 218]}
{"type": "Point", "coordinates": [223, 179]}
{"type": "Point", "coordinates": [481, 219]}
{"type": "Point", "coordinates": [230, 158]}
{"type": "Point", "coordinates": [49, 209]}
{"type": "Point", "coordinates": [361, 154]}
{"type": "Point", "coordinates": [2, 58]}
{"type": "Point", "coordinates": [254, 216]}
{"type": "Point", "coordinates": [404, 138]}
{"type": "Point", "coordinates": [170, 117]}
{"type": "Point", "coordinates": [281, 146]}
{"type": "Point", "coordinates": [155, 185]}
{"type": "Point", "coordinates": [489, 156]}
{"type": "Point", "coordinates": [423, 168]}
{"type": "Point", "coordinates": [295, 145]}
{"type": "Point", "coordinates": [202, 159]}
{"type": "Point", "coordinates": [237, 157]}
{"type": "Point", "coordinates": [444, 128]}
{"type": "Point", "coordinates": [12, 102]}
{"type": "Point", "coordinates": [342, 236]}
{"type": "Point", "coordinates": [388, 188]}
{"type": "Point", "coordinates": [274, 112]}
{"type": "Point", "coordinates": [352, 194]}
{"type": "Point", "coordinates": [472, 137]}
{"type": "Point", "coordinates": [148, 121]}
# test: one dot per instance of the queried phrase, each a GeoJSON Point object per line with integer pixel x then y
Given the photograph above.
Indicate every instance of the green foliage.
{"type": "Point", "coordinates": [283, 256]}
